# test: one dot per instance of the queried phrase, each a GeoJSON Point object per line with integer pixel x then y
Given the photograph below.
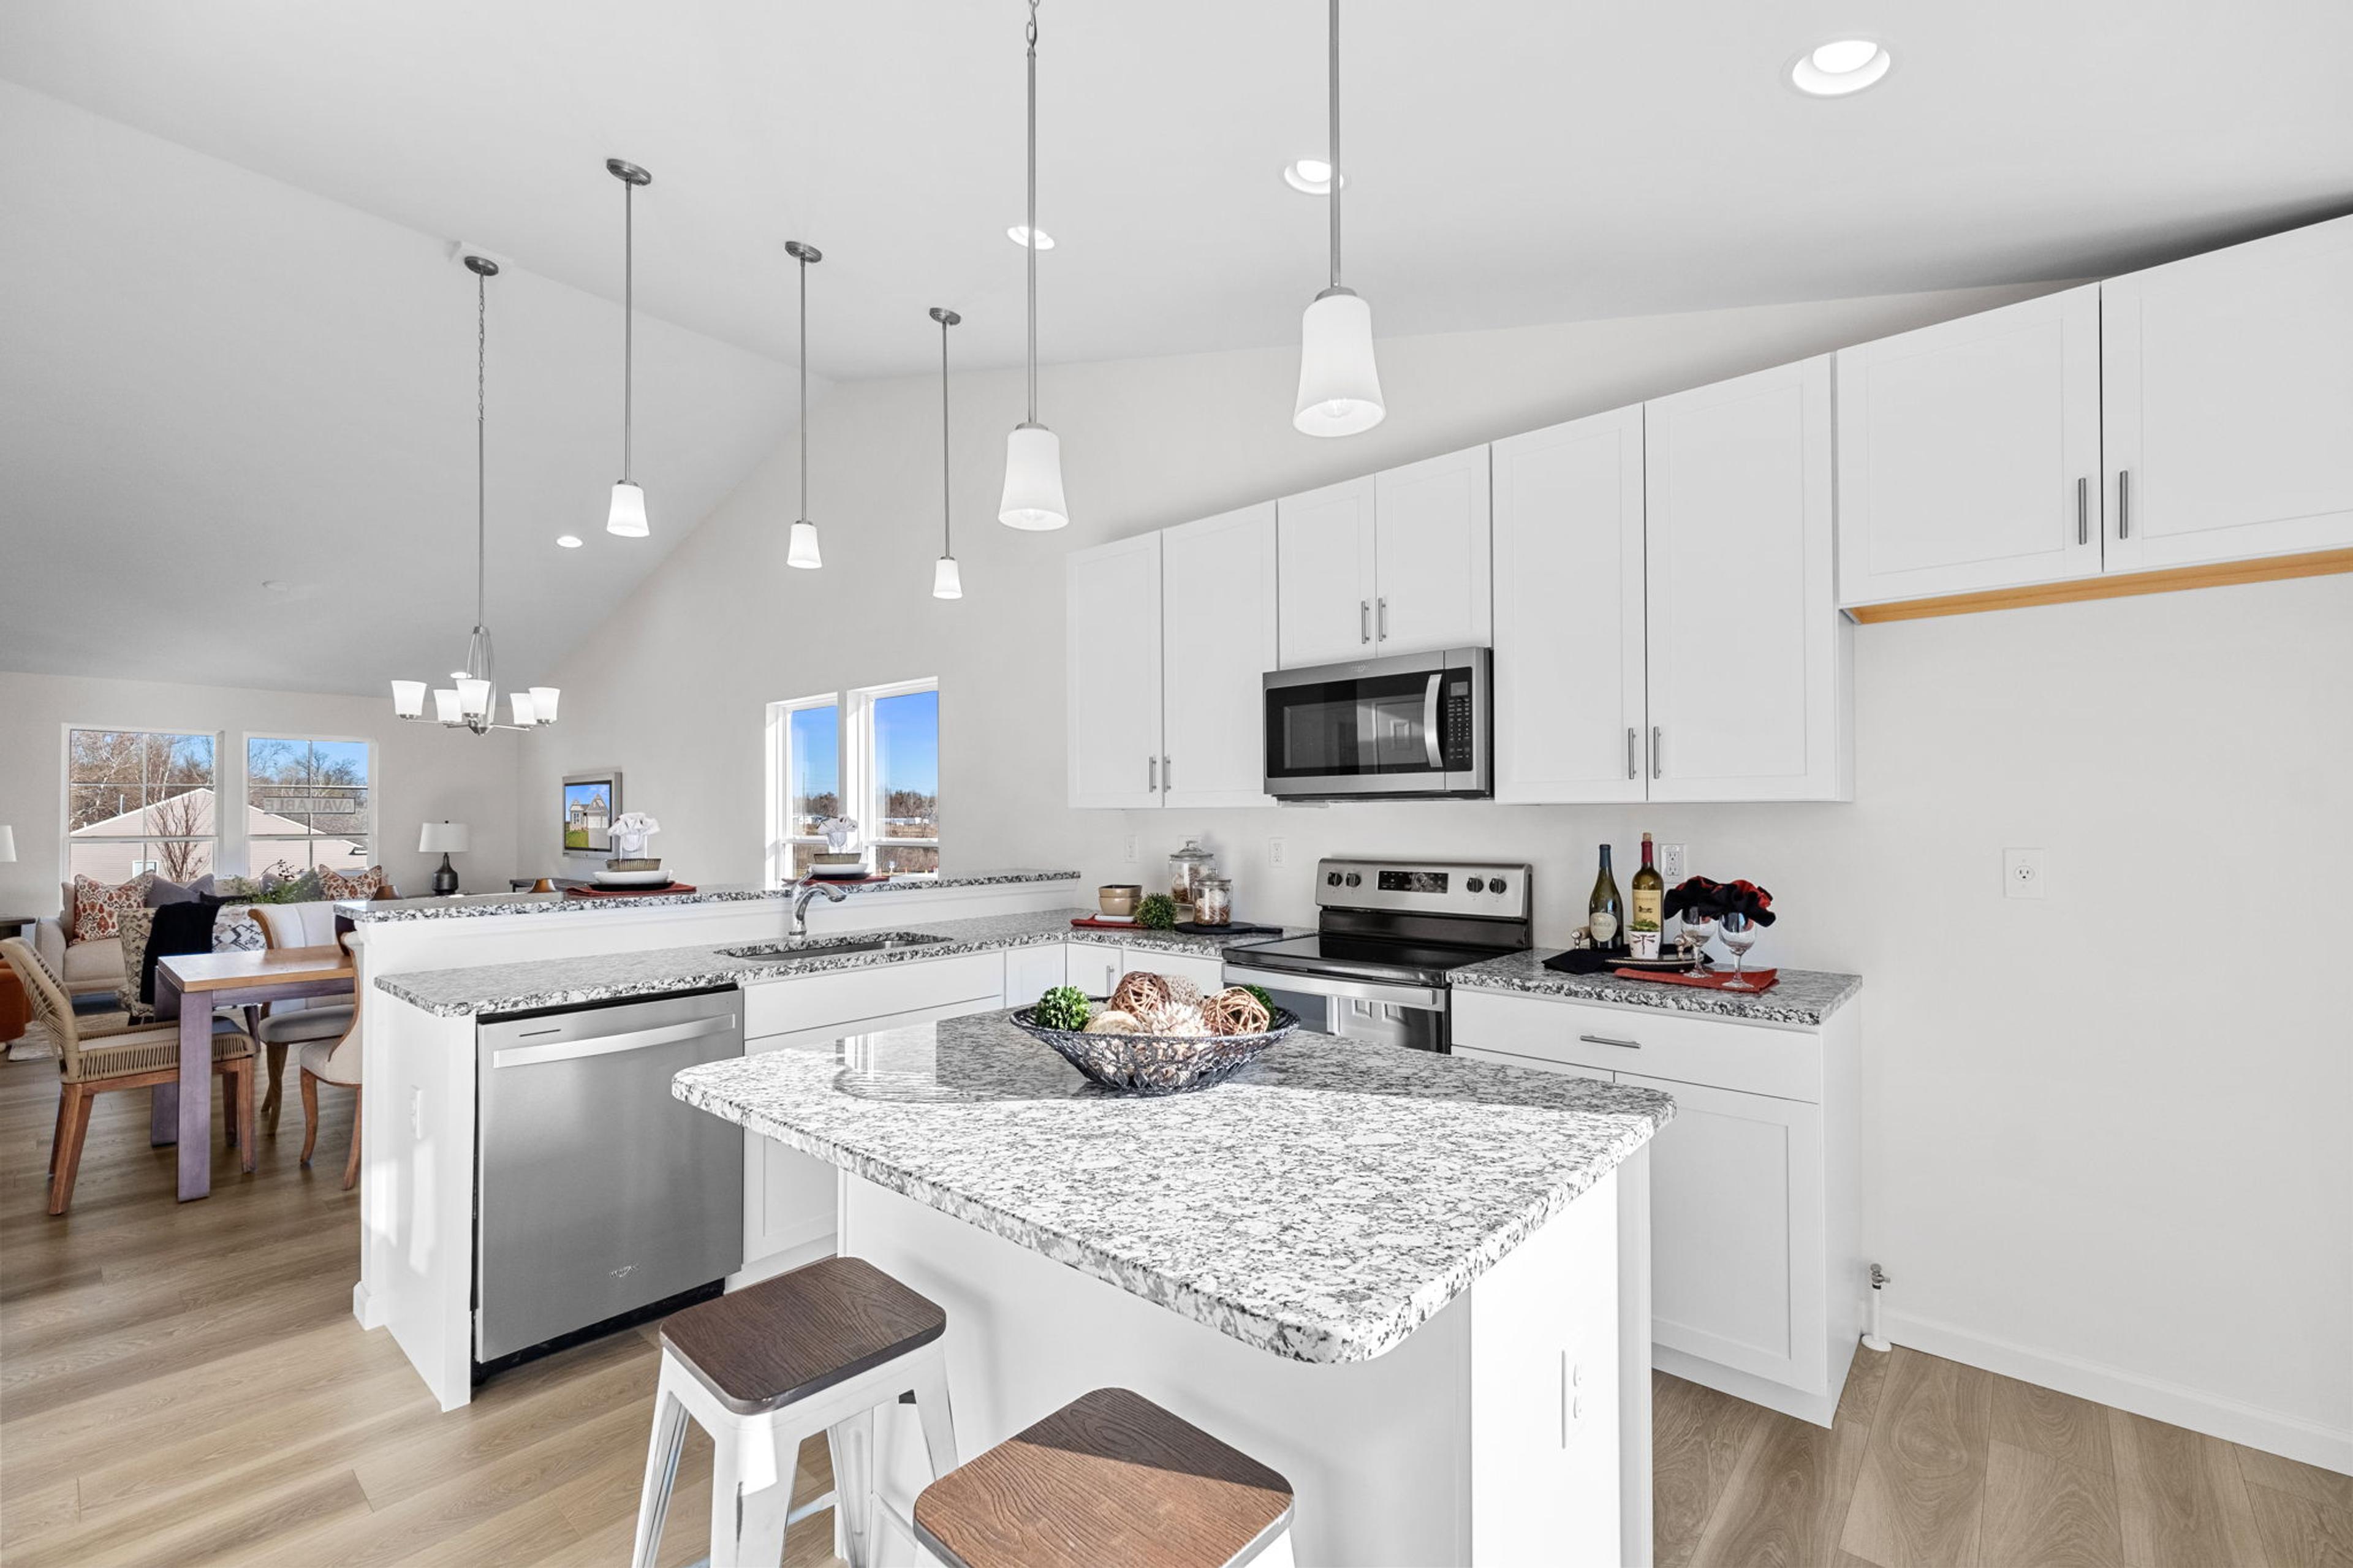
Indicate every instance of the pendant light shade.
{"type": "Point", "coordinates": [626, 515]}
{"type": "Point", "coordinates": [802, 551]}
{"type": "Point", "coordinates": [409, 700]}
{"type": "Point", "coordinates": [1033, 455]}
{"type": "Point", "coordinates": [947, 582]}
{"type": "Point", "coordinates": [1339, 385]}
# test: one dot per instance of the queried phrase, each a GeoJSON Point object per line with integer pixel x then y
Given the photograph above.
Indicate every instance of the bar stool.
{"type": "Point", "coordinates": [813, 1350]}
{"type": "Point", "coordinates": [1111, 1477]}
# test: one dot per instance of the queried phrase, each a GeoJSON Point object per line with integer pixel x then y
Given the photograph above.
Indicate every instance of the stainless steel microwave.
{"type": "Point", "coordinates": [1415, 725]}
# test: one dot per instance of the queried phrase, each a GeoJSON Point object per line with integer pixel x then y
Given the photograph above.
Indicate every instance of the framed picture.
{"type": "Point", "coordinates": [591, 801]}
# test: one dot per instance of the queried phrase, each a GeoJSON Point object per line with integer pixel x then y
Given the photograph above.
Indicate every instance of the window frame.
{"type": "Point", "coordinates": [245, 841]}
{"type": "Point", "coordinates": [217, 839]}
{"type": "Point", "coordinates": [781, 838]}
{"type": "Point", "coordinates": [865, 785]}
{"type": "Point", "coordinates": [856, 773]}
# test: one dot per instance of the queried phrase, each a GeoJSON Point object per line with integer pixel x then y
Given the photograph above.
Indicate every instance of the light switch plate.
{"type": "Point", "coordinates": [1127, 853]}
{"type": "Point", "coordinates": [1278, 851]}
{"type": "Point", "coordinates": [2023, 874]}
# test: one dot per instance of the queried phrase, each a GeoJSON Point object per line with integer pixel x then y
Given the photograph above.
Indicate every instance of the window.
{"type": "Point", "coordinates": [140, 800]}
{"type": "Point", "coordinates": [873, 754]}
{"type": "Point", "coordinates": [307, 804]}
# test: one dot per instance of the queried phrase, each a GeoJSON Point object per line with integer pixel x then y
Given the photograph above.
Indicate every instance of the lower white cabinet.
{"type": "Point", "coordinates": [1095, 970]}
{"type": "Point", "coordinates": [1757, 1283]}
{"type": "Point", "coordinates": [1031, 972]}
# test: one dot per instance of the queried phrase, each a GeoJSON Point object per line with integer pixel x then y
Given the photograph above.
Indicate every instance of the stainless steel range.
{"type": "Point", "coordinates": [1388, 933]}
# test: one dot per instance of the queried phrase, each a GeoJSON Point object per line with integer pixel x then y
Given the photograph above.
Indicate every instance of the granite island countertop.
{"type": "Point", "coordinates": [609, 976]}
{"type": "Point", "coordinates": [1321, 1205]}
{"type": "Point", "coordinates": [371, 912]}
{"type": "Point", "coordinates": [1805, 997]}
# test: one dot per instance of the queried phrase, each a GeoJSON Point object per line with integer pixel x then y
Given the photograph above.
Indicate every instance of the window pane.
{"type": "Point", "coordinates": [907, 768]}
{"type": "Point", "coordinates": [894, 858]}
{"type": "Point", "coordinates": [306, 786]}
{"type": "Point", "coordinates": [801, 858]}
{"type": "Point", "coordinates": [112, 811]}
{"type": "Point", "coordinates": [119, 859]}
{"type": "Point", "coordinates": [813, 764]}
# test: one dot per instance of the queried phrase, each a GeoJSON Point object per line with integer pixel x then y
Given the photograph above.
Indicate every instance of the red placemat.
{"type": "Point", "coordinates": [626, 892]}
{"type": "Point", "coordinates": [1089, 923]}
{"type": "Point", "coordinates": [1758, 979]}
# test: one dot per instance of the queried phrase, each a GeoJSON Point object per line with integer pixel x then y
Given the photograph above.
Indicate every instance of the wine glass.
{"type": "Point", "coordinates": [1740, 934]}
{"type": "Point", "coordinates": [1698, 926]}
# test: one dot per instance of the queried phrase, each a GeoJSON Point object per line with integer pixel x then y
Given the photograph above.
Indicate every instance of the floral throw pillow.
{"type": "Point", "coordinates": [99, 908]}
{"type": "Point", "coordinates": [358, 885]}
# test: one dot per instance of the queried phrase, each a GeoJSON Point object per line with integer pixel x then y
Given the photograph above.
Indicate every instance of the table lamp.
{"type": "Point", "coordinates": [450, 838]}
{"type": "Point", "coordinates": [7, 843]}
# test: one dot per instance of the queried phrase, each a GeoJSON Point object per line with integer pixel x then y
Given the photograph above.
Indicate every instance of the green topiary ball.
{"type": "Point", "coordinates": [1064, 1007]}
{"type": "Point", "coordinates": [1156, 912]}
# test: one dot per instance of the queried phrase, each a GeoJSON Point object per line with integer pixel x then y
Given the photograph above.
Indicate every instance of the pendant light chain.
{"type": "Point", "coordinates": [481, 426]}
{"type": "Point", "coordinates": [803, 356]}
{"type": "Point", "coordinates": [1334, 192]}
{"type": "Point", "coordinates": [1030, 34]}
{"type": "Point", "coordinates": [629, 315]}
{"type": "Point", "coordinates": [948, 545]}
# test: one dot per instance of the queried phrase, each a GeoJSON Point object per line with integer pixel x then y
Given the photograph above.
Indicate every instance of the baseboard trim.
{"type": "Point", "coordinates": [2290, 1437]}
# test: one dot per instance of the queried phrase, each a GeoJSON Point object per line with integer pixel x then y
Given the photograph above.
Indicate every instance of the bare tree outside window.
{"type": "Point", "coordinates": [140, 800]}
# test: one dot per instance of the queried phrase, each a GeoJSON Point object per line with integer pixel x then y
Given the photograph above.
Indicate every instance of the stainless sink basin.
{"type": "Point", "coordinates": [834, 946]}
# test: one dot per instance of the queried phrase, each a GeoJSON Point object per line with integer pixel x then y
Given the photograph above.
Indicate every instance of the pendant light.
{"type": "Point", "coordinates": [472, 703]}
{"type": "Point", "coordinates": [1033, 454]}
{"type": "Point", "coordinates": [802, 552]}
{"type": "Point", "coordinates": [627, 516]}
{"type": "Point", "coordinates": [947, 582]}
{"type": "Point", "coordinates": [1339, 385]}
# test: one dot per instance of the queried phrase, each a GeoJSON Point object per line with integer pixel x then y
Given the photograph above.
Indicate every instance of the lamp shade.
{"type": "Point", "coordinates": [1339, 385]}
{"type": "Point", "coordinates": [627, 517]}
{"type": "Point", "coordinates": [947, 582]}
{"type": "Point", "coordinates": [519, 702]}
{"type": "Point", "coordinates": [7, 843]}
{"type": "Point", "coordinates": [445, 705]}
{"type": "Point", "coordinates": [442, 838]}
{"type": "Point", "coordinates": [802, 552]}
{"type": "Point", "coordinates": [543, 702]}
{"type": "Point", "coordinates": [409, 698]}
{"type": "Point", "coordinates": [474, 699]}
{"type": "Point", "coordinates": [1033, 480]}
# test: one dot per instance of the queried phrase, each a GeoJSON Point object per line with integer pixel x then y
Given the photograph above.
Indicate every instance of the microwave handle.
{"type": "Point", "coordinates": [1429, 721]}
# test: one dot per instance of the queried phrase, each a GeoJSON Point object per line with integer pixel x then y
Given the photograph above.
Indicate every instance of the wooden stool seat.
{"type": "Point", "coordinates": [1109, 1477]}
{"type": "Point", "coordinates": [784, 1339]}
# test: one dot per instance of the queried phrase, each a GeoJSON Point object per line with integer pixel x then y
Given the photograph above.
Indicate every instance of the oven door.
{"type": "Point", "coordinates": [1414, 1017]}
{"type": "Point", "coordinates": [1416, 724]}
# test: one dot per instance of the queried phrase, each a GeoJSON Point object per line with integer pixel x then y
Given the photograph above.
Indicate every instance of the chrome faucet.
{"type": "Point", "coordinates": [810, 886]}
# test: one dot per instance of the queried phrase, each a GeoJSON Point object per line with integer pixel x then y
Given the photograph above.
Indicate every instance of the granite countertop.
{"type": "Point", "coordinates": [370, 911]}
{"type": "Point", "coordinates": [607, 976]}
{"type": "Point", "coordinates": [1799, 996]}
{"type": "Point", "coordinates": [1321, 1205]}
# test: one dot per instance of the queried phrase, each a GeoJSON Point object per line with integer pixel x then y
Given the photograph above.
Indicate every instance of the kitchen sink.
{"type": "Point", "coordinates": [834, 946]}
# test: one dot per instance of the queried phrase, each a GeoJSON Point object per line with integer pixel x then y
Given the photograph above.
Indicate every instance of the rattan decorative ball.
{"type": "Point", "coordinates": [1113, 1021]}
{"type": "Point", "coordinates": [1234, 1011]}
{"type": "Point", "coordinates": [1139, 992]}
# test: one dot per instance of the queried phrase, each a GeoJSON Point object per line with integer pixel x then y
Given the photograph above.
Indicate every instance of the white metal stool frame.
{"type": "Point", "coordinates": [752, 1456]}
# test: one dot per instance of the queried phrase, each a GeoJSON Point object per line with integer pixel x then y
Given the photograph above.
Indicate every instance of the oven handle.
{"type": "Point", "coordinates": [1427, 998]}
{"type": "Point", "coordinates": [1429, 721]}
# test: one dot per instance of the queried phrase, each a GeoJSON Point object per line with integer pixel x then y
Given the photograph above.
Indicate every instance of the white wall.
{"type": "Point", "coordinates": [423, 773]}
{"type": "Point", "coordinates": [2105, 1130]}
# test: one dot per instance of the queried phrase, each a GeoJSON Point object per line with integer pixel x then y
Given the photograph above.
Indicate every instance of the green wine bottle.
{"type": "Point", "coordinates": [1605, 914]}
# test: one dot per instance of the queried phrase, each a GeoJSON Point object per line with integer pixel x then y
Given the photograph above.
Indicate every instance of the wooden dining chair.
{"type": "Point", "coordinates": [137, 1058]}
{"type": "Point", "coordinates": [305, 1019]}
{"type": "Point", "coordinates": [332, 1061]}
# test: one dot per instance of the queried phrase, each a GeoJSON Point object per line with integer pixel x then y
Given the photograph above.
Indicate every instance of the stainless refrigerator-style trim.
{"type": "Point", "coordinates": [597, 1192]}
{"type": "Point", "coordinates": [1475, 782]}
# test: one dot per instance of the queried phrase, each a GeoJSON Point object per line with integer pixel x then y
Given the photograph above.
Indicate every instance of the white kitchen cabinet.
{"type": "Point", "coordinates": [1750, 660]}
{"type": "Point", "coordinates": [1968, 453]}
{"type": "Point", "coordinates": [1534, 1064]}
{"type": "Point", "coordinates": [1031, 972]}
{"type": "Point", "coordinates": [1095, 969]}
{"type": "Point", "coordinates": [1113, 664]}
{"type": "Point", "coordinates": [1431, 579]}
{"type": "Point", "coordinates": [1570, 711]}
{"type": "Point", "coordinates": [1326, 547]}
{"type": "Point", "coordinates": [2228, 402]}
{"type": "Point", "coordinates": [1218, 641]}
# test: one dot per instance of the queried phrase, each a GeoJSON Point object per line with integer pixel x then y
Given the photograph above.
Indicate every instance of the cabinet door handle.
{"type": "Point", "coordinates": [1364, 620]}
{"type": "Point", "coordinates": [1168, 773]}
{"type": "Point", "coordinates": [1631, 771]}
{"type": "Point", "coordinates": [1381, 626]}
{"type": "Point", "coordinates": [1151, 775]}
{"type": "Point", "coordinates": [2124, 503]}
{"type": "Point", "coordinates": [1606, 1040]}
{"type": "Point", "coordinates": [2083, 511]}
{"type": "Point", "coordinates": [1656, 733]}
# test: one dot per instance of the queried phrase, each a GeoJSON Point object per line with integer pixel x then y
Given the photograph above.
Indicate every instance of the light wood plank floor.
{"type": "Point", "coordinates": [184, 1384]}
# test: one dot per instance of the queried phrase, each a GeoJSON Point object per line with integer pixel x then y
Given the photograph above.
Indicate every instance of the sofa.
{"type": "Point", "coordinates": [96, 968]}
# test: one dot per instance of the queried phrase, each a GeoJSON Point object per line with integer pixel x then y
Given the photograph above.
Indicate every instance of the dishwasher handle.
{"type": "Point", "coordinates": [606, 1045]}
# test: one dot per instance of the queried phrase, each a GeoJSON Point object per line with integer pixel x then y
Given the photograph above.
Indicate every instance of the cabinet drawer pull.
{"type": "Point", "coordinates": [1631, 771]}
{"type": "Point", "coordinates": [1656, 731]}
{"type": "Point", "coordinates": [1168, 773]}
{"type": "Point", "coordinates": [2083, 511]}
{"type": "Point", "coordinates": [2124, 503]}
{"type": "Point", "coordinates": [1364, 620]}
{"type": "Point", "coordinates": [1606, 1040]}
{"type": "Point", "coordinates": [1381, 624]}
{"type": "Point", "coordinates": [1151, 775]}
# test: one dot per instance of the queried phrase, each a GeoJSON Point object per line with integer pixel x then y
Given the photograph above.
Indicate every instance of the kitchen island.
{"type": "Point", "coordinates": [1415, 1285]}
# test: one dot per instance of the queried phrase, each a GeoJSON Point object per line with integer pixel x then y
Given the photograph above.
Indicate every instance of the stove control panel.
{"type": "Point", "coordinates": [1425, 886]}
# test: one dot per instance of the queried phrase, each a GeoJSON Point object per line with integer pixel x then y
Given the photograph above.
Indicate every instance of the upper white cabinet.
{"type": "Point", "coordinates": [1326, 554]}
{"type": "Point", "coordinates": [1394, 563]}
{"type": "Point", "coordinates": [1968, 453]}
{"type": "Point", "coordinates": [1112, 595]}
{"type": "Point", "coordinates": [1571, 721]}
{"type": "Point", "coordinates": [1218, 641]}
{"type": "Point", "coordinates": [1750, 660]}
{"type": "Point", "coordinates": [2228, 402]}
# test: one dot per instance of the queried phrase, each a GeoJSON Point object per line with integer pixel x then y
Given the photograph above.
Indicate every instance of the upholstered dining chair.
{"type": "Point", "coordinates": [332, 1061]}
{"type": "Point", "coordinates": [303, 1019]}
{"type": "Point", "coordinates": [137, 1058]}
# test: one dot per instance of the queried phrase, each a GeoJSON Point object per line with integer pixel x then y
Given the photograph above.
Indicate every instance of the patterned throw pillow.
{"type": "Point", "coordinates": [237, 931]}
{"type": "Point", "coordinates": [234, 931]}
{"type": "Point", "coordinates": [99, 908]}
{"type": "Point", "coordinates": [358, 885]}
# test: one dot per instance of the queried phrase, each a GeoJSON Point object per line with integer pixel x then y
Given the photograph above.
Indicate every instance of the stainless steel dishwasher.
{"type": "Point", "coordinates": [597, 1193]}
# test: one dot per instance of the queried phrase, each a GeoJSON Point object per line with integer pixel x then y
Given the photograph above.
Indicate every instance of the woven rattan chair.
{"type": "Point", "coordinates": [137, 1058]}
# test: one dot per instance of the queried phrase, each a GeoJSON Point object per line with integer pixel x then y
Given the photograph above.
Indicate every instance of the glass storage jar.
{"type": "Point", "coordinates": [1186, 868]}
{"type": "Point", "coordinates": [1213, 902]}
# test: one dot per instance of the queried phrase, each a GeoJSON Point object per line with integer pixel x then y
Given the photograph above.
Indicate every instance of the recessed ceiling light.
{"type": "Point", "coordinates": [1840, 67]}
{"type": "Point", "coordinates": [568, 541]}
{"type": "Point", "coordinates": [1019, 234]}
{"type": "Point", "coordinates": [1312, 175]}
{"type": "Point", "coordinates": [272, 585]}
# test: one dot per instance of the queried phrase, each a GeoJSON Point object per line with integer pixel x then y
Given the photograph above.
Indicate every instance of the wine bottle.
{"type": "Point", "coordinates": [1650, 921]}
{"type": "Point", "coordinates": [1606, 912]}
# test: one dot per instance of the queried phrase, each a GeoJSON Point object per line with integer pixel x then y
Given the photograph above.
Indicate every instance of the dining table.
{"type": "Point", "coordinates": [192, 985]}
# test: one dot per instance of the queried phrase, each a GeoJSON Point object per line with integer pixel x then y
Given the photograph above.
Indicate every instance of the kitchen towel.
{"type": "Point", "coordinates": [627, 893]}
{"type": "Point", "coordinates": [1714, 980]}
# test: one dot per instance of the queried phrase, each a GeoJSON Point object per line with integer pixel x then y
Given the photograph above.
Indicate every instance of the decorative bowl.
{"type": "Point", "coordinates": [1118, 898]}
{"type": "Point", "coordinates": [1156, 1064]}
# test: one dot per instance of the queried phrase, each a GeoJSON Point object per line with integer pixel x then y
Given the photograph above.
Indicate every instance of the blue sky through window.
{"type": "Point", "coordinates": [907, 741]}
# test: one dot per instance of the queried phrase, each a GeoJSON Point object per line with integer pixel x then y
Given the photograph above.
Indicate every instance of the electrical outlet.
{"type": "Point", "coordinates": [1127, 851]}
{"type": "Point", "coordinates": [1671, 863]}
{"type": "Point", "coordinates": [1278, 851]}
{"type": "Point", "coordinates": [2022, 875]}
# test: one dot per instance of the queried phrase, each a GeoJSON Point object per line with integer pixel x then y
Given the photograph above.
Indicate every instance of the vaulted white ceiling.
{"type": "Point", "coordinates": [249, 331]}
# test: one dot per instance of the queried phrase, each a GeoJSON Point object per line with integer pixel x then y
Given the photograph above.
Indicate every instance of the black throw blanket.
{"type": "Point", "coordinates": [186, 927]}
